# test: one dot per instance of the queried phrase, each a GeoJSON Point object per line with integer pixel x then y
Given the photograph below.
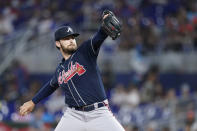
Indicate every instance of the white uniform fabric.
{"type": "Point", "coordinates": [100, 119]}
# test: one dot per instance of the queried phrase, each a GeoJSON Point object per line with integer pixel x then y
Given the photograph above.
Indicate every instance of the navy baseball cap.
{"type": "Point", "coordinates": [63, 32]}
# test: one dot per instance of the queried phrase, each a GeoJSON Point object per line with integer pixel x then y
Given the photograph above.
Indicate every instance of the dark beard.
{"type": "Point", "coordinates": [68, 51]}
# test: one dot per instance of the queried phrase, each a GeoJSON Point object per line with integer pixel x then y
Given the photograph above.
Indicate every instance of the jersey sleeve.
{"type": "Point", "coordinates": [97, 41]}
{"type": "Point", "coordinates": [46, 90]}
{"type": "Point", "coordinates": [92, 46]}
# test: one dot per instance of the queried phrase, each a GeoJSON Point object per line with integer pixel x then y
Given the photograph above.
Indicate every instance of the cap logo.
{"type": "Point", "coordinates": [69, 29]}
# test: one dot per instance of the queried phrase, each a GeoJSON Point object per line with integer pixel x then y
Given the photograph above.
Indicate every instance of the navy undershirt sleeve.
{"type": "Point", "coordinates": [97, 40]}
{"type": "Point", "coordinates": [46, 90]}
{"type": "Point", "coordinates": [91, 47]}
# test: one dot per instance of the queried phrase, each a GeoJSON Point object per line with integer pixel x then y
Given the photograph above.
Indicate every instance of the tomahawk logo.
{"type": "Point", "coordinates": [74, 69]}
{"type": "Point", "coordinates": [69, 29]}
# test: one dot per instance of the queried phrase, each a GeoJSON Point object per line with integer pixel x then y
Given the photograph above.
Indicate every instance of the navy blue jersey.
{"type": "Point", "coordinates": [78, 76]}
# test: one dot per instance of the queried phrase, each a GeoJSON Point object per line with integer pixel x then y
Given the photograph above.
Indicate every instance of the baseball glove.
{"type": "Point", "coordinates": [111, 25]}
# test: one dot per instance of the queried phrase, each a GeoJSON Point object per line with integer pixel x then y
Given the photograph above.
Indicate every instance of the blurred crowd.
{"type": "Point", "coordinates": [148, 26]}
{"type": "Point", "coordinates": [141, 104]}
{"type": "Point", "coordinates": [149, 106]}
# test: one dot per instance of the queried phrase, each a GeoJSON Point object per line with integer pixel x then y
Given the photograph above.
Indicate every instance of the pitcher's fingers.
{"type": "Point", "coordinates": [22, 111]}
{"type": "Point", "coordinates": [21, 107]}
{"type": "Point", "coordinates": [28, 112]}
{"type": "Point", "coordinates": [21, 114]}
{"type": "Point", "coordinates": [25, 113]}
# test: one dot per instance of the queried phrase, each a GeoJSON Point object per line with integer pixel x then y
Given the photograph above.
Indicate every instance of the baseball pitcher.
{"type": "Point", "coordinates": [78, 75]}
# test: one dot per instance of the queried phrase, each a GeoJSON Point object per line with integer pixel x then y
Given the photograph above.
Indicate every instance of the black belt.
{"type": "Point", "coordinates": [89, 107]}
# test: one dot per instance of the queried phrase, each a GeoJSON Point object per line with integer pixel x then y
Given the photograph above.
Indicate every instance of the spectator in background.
{"type": "Point", "coordinates": [108, 76]}
{"type": "Point", "coordinates": [159, 92]}
{"type": "Point", "coordinates": [12, 92]}
{"type": "Point", "coordinates": [36, 123]}
{"type": "Point", "coordinates": [34, 86]}
{"type": "Point", "coordinates": [52, 105]}
{"type": "Point", "coordinates": [189, 121]}
{"type": "Point", "coordinates": [118, 95]}
{"type": "Point", "coordinates": [193, 120]}
{"type": "Point", "coordinates": [191, 10]}
{"type": "Point", "coordinates": [21, 74]}
{"type": "Point", "coordinates": [185, 104]}
{"type": "Point", "coordinates": [149, 85]}
{"type": "Point", "coordinates": [152, 126]}
{"type": "Point", "coordinates": [165, 129]}
{"type": "Point", "coordinates": [135, 128]}
{"type": "Point", "coordinates": [6, 19]}
{"type": "Point", "coordinates": [46, 22]}
{"type": "Point", "coordinates": [133, 96]}
{"type": "Point", "coordinates": [171, 98]}
{"type": "Point", "coordinates": [185, 100]}
{"type": "Point", "coordinates": [48, 117]}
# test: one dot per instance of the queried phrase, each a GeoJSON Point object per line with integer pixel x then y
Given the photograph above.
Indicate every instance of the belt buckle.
{"type": "Point", "coordinates": [83, 108]}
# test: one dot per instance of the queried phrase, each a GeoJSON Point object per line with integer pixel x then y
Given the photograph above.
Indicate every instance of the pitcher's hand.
{"type": "Point", "coordinates": [26, 108]}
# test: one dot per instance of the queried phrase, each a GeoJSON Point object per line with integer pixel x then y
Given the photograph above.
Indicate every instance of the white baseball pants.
{"type": "Point", "coordinates": [100, 119]}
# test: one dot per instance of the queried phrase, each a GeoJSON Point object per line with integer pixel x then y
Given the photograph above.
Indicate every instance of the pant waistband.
{"type": "Point", "coordinates": [92, 106]}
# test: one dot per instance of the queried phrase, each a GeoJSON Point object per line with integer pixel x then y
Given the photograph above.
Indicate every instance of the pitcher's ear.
{"type": "Point", "coordinates": [57, 43]}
